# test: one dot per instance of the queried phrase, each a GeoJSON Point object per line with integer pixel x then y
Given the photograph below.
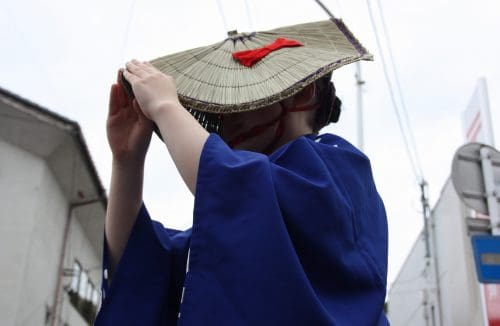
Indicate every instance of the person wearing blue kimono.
{"type": "Point", "coordinates": [288, 226]}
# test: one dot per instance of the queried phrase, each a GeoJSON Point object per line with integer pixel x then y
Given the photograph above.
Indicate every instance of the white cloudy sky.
{"type": "Point", "coordinates": [64, 55]}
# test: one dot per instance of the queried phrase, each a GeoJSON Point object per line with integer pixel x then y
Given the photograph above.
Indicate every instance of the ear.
{"type": "Point", "coordinates": [306, 95]}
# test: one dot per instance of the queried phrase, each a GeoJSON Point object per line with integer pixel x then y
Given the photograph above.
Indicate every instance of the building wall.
{"type": "Point", "coordinates": [81, 249]}
{"type": "Point", "coordinates": [407, 295]}
{"type": "Point", "coordinates": [33, 215]}
{"type": "Point", "coordinates": [20, 179]}
{"type": "Point", "coordinates": [460, 295]}
{"type": "Point", "coordinates": [459, 292]}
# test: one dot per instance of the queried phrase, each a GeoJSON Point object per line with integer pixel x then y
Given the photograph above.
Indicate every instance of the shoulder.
{"type": "Point", "coordinates": [318, 146]}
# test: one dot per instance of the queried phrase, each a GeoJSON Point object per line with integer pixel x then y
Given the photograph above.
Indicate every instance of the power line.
{"type": "Point", "coordinates": [32, 48]}
{"type": "Point", "coordinates": [409, 140]}
{"type": "Point", "coordinates": [127, 29]}
{"type": "Point", "coordinates": [249, 16]}
{"type": "Point", "coordinates": [221, 12]}
{"type": "Point", "coordinates": [398, 85]}
{"type": "Point", "coordinates": [339, 8]}
{"type": "Point", "coordinates": [328, 12]}
{"type": "Point", "coordinates": [411, 154]}
{"type": "Point", "coordinates": [413, 314]}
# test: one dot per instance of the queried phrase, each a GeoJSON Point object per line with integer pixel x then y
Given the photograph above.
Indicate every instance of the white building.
{"type": "Point", "coordinates": [51, 219]}
{"type": "Point", "coordinates": [459, 295]}
{"type": "Point", "coordinates": [444, 289]}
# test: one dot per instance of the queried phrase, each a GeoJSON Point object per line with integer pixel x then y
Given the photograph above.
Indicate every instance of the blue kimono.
{"type": "Point", "coordinates": [295, 238]}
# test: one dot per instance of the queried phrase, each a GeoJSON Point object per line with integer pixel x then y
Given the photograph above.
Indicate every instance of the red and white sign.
{"type": "Point", "coordinates": [478, 128]}
{"type": "Point", "coordinates": [492, 300]}
{"type": "Point", "coordinates": [476, 117]}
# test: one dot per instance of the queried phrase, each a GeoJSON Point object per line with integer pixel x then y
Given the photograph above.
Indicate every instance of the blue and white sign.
{"type": "Point", "coordinates": [487, 256]}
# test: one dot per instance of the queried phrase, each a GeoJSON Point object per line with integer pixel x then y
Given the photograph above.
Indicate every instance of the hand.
{"type": "Point", "coordinates": [129, 130]}
{"type": "Point", "coordinates": [152, 88]}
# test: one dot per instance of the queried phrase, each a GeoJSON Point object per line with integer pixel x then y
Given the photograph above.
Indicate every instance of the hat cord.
{"type": "Point", "coordinates": [259, 129]}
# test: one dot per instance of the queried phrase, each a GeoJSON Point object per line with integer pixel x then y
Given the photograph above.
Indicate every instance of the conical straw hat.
{"type": "Point", "coordinates": [210, 80]}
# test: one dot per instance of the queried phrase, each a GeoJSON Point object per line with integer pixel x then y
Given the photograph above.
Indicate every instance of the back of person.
{"type": "Point", "coordinates": [288, 227]}
{"type": "Point", "coordinates": [302, 242]}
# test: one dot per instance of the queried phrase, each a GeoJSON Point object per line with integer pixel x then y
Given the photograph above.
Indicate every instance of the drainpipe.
{"type": "Point", "coordinates": [60, 270]}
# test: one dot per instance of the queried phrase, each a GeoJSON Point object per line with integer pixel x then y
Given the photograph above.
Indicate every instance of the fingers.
{"type": "Point", "coordinates": [140, 69]}
{"type": "Point", "coordinates": [130, 76]}
{"type": "Point", "coordinates": [147, 66]}
{"type": "Point", "coordinates": [137, 68]}
{"type": "Point", "coordinates": [118, 97]}
{"type": "Point", "coordinates": [142, 117]}
{"type": "Point", "coordinates": [135, 71]}
{"type": "Point", "coordinates": [113, 100]}
{"type": "Point", "coordinates": [126, 88]}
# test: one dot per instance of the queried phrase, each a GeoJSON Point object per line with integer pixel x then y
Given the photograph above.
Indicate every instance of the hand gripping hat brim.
{"type": "Point", "coordinates": [210, 80]}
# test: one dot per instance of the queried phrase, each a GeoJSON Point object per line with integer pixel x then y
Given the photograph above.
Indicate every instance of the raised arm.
{"type": "Point", "coordinates": [129, 134]}
{"type": "Point", "coordinates": [156, 94]}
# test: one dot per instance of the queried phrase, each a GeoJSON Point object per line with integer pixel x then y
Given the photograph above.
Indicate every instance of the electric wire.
{"type": "Point", "coordinates": [398, 85]}
{"type": "Point", "coordinates": [328, 12]}
{"type": "Point", "coordinates": [411, 153]}
{"type": "Point", "coordinates": [339, 8]}
{"type": "Point", "coordinates": [127, 29]}
{"type": "Point", "coordinates": [413, 314]}
{"type": "Point", "coordinates": [249, 16]}
{"type": "Point", "coordinates": [221, 12]}
{"type": "Point", "coordinates": [30, 47]}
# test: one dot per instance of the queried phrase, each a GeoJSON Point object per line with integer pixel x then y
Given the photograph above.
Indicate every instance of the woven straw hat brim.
{"type": "Point", "coordinates": [209, 79]}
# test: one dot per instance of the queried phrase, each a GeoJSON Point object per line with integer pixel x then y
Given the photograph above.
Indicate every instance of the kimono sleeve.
{"type": "Point", "coordinates": [273, 244]}
{"type": "Point", "coordinates": [146, 286]}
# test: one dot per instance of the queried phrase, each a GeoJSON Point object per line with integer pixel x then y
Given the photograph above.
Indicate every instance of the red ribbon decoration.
{"type": "Point", "coordinates": [249, 57]}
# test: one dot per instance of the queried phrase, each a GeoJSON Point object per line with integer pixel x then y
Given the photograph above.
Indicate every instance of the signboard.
{"type": "Point", "coordinates": [487, 256]}
{"type": "Point", "coordinates": [477, 127]}
{"type": "Point", "coordinates": [475, 174]}
{"type": "Point", "coordinates": [476, 118]}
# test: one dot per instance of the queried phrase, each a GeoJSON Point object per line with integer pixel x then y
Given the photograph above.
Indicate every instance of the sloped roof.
{"type": "Point", "coordinates": [60, 143]}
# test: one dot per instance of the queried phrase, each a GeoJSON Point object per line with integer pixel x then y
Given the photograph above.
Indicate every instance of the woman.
{"type": "Point", "coordinates": [288, 228]}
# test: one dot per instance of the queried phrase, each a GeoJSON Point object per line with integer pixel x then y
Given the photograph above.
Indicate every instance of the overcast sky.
{"type": "Point", "coordinates": [64, 55]}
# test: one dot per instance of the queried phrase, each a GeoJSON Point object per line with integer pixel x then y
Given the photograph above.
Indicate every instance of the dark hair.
{"type": "Point", "coordinates": [328, 112]}
{"type": "Point", "coordinates": [330, 108]}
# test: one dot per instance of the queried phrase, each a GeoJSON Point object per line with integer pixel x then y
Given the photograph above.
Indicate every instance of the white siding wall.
{"type": "Point", "coordinates": [459, 291]}
{"type": "Point", "coordinates": [459, 287]}
{"type": "Point", "coordinates": [406, 297]}
{"type": "Point", "coordinates": [33, 214]}
{"type": "Point", "coordinates": [81, 249]}
{"type": "Point", "coordinates": [21, 176]}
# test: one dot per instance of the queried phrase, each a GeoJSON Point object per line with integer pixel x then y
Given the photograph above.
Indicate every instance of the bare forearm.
{"type": "Point", "coordinates": [156, 94]}
{"type": "Point", "coordinates": [184, 138]}
{"type": "Point", "coordinates": [125, 199]}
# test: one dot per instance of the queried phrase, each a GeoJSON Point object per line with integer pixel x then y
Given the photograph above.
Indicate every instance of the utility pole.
{"type": "Point", "coordinates": [433, 304]}
{"type": "Point", "coordinates": [359, 86]}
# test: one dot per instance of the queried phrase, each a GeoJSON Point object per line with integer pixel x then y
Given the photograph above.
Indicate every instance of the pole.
{"type": "Point", "coordinates": [492, 195]}
{"type": "Point", "coordinates": [490, 189]}
{"type": "Point", "coordinates": [57, 292]}
{"type": "Point", "coordinates": [435, 313]}
{"type": "Point", "coordinates": [359, 86]}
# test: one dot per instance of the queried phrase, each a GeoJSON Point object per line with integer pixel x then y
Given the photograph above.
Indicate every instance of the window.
{"type": "Point", "coordinates": [90, 290]}
{"type": "Point", "coordinates": [82, 292]}
{"type": "Point", "coordinates": [95, 297]}
{"type": "Point", "coordinates": [75, 276]}
{"type": "Point", "coordinates": [83, 284]}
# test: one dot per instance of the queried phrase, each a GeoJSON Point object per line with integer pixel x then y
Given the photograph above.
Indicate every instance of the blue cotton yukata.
{"type": "Point", "coordinates": [298, 237]}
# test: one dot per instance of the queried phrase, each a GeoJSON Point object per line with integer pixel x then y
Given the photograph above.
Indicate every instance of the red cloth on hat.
{"type": "Point", "coordinates": [249, 57]}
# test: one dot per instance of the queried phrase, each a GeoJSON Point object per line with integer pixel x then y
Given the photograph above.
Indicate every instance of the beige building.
{"type": "Point", "coordinates": [51, 219]}
{"type": "Point", "coordinates": [457, 298]}
{"type": "Point", "coordinates": [444, 290]}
